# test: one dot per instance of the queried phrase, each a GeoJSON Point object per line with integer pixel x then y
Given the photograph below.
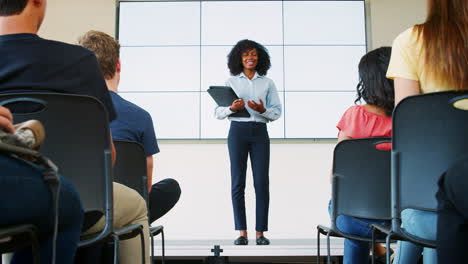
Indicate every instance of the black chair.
{"type": "Point", "coordinates": [429, 134]}
{"type": "Point", "coordinates": [130, 170]}
{"type": "Point", "coordinates": [78, 140]}
{"type": "Point", "coordinates": [360, 187]}
{"type": "Point", "coordinates": [16, 237]}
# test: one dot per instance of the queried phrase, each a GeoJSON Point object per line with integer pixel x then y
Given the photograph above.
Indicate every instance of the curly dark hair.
{"type": "Point", "coordinates": [12, 7]}
{"type": "Point", "coordinates": [374, 87]}
{"type": "Point", "coordinates": [235, 57]}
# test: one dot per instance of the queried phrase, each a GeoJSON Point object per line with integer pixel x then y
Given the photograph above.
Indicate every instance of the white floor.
{"type": "Point", "coordinates": [278, 247]}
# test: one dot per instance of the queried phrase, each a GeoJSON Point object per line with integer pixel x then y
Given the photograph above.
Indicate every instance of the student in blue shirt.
{"type": "Point", "coordinates": [248, 63]}
{"type": "Point", "coordinates": [132, 124]}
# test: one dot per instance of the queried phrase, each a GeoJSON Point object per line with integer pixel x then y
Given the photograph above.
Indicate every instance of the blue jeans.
{"type": "Point", "coordinates": [26, 199]}
{"type": "Point", "coordinates": [421, 224]}
{"type": "Point", "coordinates": [356, 252]}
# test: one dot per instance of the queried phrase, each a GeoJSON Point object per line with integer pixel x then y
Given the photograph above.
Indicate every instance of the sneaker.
{"type": "Point", "coordinates": [31, 133]}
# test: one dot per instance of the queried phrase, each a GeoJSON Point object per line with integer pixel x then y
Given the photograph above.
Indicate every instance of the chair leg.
{"type": "Point", "coordinates": [152, 247]}
{"type": "Point", "coordinates": [143, 251]}
{"type": "Point", "coordinates": [35, 248]}
{"type": "Point", "coordinates": [116, 248]}
{"type": "Point", "coordinates": [373, 245]}
{"type": "Point", "coordinates": [163, 247]}
{"type": "Point", "coordinates": [328, 249]}
{"type": "Point", "coordinates": [387, 240]}
{"type": "Point", "coordinates": [318, 246]}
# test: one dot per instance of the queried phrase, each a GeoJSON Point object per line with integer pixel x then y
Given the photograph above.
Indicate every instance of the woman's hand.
{"type": "Point", "coordinates": [237, 105]}
{"type": "Point", "coordinates": [257, 106]}
{"type": "Point", "coordinates": [6, 120]}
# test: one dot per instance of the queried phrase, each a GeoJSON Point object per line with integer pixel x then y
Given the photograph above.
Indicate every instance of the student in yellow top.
{"type": "Point", "coordinates": [433, 56]}
{"type": "Point", "coordinates": [426, 58]}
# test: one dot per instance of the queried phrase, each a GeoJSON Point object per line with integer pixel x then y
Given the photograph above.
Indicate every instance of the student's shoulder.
{"type": "Point", "coordinates": [354, 110]}
{"type": "Point", "coordinates": [407, 37]}
{"type": "Point", "coordinates": [134, 108]}
{"type": "Point", "coordinates": [351, 114]}
{"type": "Point", "coordinates": [67, 50]}
{"type": "Point", "coordinates": [141, 114]}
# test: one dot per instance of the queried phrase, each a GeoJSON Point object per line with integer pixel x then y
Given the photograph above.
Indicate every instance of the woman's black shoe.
{"type": "Point", "coordinates": [263, 241]}
{"type": "Point", "coordinates": [241, 241]}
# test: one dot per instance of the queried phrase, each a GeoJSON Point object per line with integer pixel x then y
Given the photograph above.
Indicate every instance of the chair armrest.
{"type": "Point", "coordinates": [324, 230]}
{"type": "Point", "coordinates": [156, 230]}
{"type": "Point", "coordinates": [17, 229]}
{"type": "Point", "coordinates": [15, 237]}
{"type": "Point", "coordinates": [382, 229]}
{"type": "Point", "coordinates": [129, 231]}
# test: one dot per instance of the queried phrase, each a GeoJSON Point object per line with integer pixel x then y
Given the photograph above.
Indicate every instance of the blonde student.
{"type": "Point", "coordinates": [426, 58]}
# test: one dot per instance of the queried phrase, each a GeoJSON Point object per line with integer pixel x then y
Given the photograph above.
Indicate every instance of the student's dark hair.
{"type": "Point", "coordinates": [374, 87]}
{"type": "Point", "coordinates": [12, 7]}
{"type": "Point", "coordinates": [235, 57]}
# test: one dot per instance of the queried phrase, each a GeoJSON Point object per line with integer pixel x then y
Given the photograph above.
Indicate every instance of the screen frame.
{"type": "Point", "coordinates": [367, 36]}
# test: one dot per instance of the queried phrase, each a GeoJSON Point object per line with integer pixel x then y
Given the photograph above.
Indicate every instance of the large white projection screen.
{"type": "Point", "coordinates": [172, 51]}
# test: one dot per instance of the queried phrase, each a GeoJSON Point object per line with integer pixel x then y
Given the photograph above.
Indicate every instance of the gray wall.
{"type": "Point", "coordinates": [390, 17]}
{"type": "Point", "coordinates": [67, 19]}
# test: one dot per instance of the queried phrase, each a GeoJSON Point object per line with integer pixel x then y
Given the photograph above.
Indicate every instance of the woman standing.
{"type": "Point", "coordinates": [248, 63]}
{"type": "Point", "coordinates": [427, 58]}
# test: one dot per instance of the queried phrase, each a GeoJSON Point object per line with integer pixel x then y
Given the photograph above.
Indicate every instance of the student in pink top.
{"type": "Point", "coordinates": [372, 119]}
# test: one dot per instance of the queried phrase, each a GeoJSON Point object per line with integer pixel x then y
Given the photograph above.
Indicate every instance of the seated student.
{"type": "Point", "coordinates": [372, 119]}
{"type": "Point", "coordinates": [422, 62]}
{"type": "Point", "coordinates": [30, 63]}
{"type": "Point", "coordinates": [452, 221]}
{"type": "Point", "coordinates": [133, 123]}
{"type": "Point", "coordinates": [22, 182]}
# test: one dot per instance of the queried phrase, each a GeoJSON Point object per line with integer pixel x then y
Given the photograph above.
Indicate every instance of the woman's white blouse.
{"type": "Point", "coordinates": [260, 87]}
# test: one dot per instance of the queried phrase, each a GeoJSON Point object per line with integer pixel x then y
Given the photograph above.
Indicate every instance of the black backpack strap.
{"type": "Point", "coordinates": [50, 176]}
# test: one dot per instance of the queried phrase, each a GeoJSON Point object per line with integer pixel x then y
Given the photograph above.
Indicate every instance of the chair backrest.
{"type": "Point", "coordinates": [361, 179]}
{"type": "Point", "coordinates": [429, 134]}
{"type": "Point", "coordinates": [77, 140]}
{"type": "Point", "coordinates": [130, 166]}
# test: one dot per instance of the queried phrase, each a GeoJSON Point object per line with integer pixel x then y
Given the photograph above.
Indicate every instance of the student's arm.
{"type": "Point", "coordinates": [113, 152]}
{"type": "Point", "coordinates": [405, 88]}
{"type": "Point", "coordinates": [150, 144]}
{"type": "Point", "coordinates": [149, 171]}
{"type": "Point", "coordinates": [342, 136]}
